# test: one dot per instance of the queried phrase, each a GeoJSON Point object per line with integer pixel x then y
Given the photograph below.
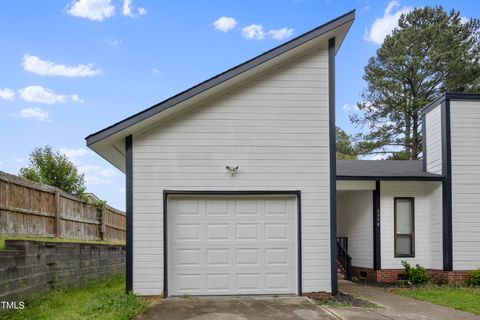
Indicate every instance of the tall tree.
{"type": "Point", "coordinates": [54, 169]}
{"type": "Point", "coordinates": [345, 148]}
{"type": "Point", "coordinates": [429, 53]}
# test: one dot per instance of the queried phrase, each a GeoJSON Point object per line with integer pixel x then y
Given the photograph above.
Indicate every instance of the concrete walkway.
{"type": "Point", "coordinates": [394, 306]}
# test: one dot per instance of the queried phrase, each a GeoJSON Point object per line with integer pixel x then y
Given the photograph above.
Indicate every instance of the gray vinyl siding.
{"type": "Point", "coordinates": [355, 221]}
{"type": "Point", "coordinates": [434, 140]}
{"type": "Point", "coordinates": [421, 192]}
{"type": "Point", "coordinates": [465, 144]}
{"type": "Point", "coordinates": [436, 244]}
{"type": "Point", "coordinates": [275, 128]}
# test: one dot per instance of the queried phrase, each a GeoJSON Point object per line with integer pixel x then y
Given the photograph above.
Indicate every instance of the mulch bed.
{"type": "Point", "coordinates": [340, 300]}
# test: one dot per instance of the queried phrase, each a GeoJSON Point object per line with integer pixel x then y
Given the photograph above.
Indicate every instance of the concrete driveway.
{"type": "Point", "coordinates": [391, 307]}
{"type": "Point", "coordinates": [233, 308]}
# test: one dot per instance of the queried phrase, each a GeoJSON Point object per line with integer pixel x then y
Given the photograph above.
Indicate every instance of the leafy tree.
{"type": "Point", "coordinates": [429, 53]}
{"type": "Point", "coordinates": [345, 148]}
{"type": "Point", "coordinates": [53, 168]}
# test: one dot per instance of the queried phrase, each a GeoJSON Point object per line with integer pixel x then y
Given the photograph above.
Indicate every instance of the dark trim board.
{"type": "Point", "coordinates": [129, 212]}
{"type": "Point", "coordinates": [377, 258]}
{"type": "Point", "coordinates": [167, 193]}
{"type": "Point", "coordinates": [459, 96]}
{"type": "Point", "coordinates": [391, 178]}
{"type": "Point", "coordinates": [224, 76]}
{"type": "Point", "coordinates": [424, 142]}
{"type": "Point", "coordinates": [447, 238]}
{"type": "Point", "coordinates": [333, 166]}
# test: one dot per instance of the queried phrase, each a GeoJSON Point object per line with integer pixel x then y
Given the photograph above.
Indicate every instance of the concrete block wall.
{"type": "Point", "coordinates": [28, 268]}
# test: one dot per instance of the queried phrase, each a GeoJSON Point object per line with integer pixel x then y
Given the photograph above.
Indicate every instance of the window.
{"type": "Point", "coordinates": [404, 227]}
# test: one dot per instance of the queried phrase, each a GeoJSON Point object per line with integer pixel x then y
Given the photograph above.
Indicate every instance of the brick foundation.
{"type": "Point", "coordinates": [450, 277]}
{"type": "Point", "coordinates": [394, 275]}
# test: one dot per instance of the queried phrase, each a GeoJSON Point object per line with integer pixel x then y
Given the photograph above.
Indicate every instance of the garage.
{"type": "Point", "coordinates": [232, 244]}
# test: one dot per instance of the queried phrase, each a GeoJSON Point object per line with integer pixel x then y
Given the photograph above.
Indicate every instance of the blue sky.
{"type": "Point", "coordinates": [70, 68]}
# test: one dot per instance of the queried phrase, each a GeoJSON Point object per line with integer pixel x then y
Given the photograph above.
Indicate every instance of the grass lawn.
{"type": "Point", "coordinates": [100, 300]}
{"type": "Point", "coordinates": [26, 237]}
{"type": "Point", "coordinates": [460, 298]}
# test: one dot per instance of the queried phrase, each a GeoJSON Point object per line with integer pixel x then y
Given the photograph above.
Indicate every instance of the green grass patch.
{"type": "Point", "coordinates": [46, 239]}
{"type": "Point", "coordinates": [460, 298]}
{"type": "Point", "coordinates": [99, 300]}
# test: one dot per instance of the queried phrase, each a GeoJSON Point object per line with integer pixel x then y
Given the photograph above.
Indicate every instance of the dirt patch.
{"type": "Point", "coordinates": [341, 300]}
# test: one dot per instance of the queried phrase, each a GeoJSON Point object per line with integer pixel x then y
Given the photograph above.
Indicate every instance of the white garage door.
{"type": "Point", "coordinates": [228, 245]}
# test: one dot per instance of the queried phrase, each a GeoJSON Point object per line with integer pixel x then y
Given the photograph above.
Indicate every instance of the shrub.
{"type": "Point", "coordinates": [417, 275]}
{"type": "Point", "coordinates": [474, 278]}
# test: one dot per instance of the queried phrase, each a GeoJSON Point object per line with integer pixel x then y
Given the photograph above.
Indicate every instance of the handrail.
{"type": "Point", "coordinates": [344, 260]}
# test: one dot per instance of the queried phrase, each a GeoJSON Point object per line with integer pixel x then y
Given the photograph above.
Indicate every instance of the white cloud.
{"type": "Point", "coordinates": [7, 94]}
{"type": "Point", "coordinates": [253, 31]}
{"type": "Point", "coordinates": [96, 10]}
{"type": "Point", "coordinates": [19, 160]}
{"type": "Point", "coordinates": [36, 113]}
{"type": "Point", "coordinates": [76, 98]}
{"type": "Point", "coordinates": [97, 175]}
{"type": "Point", "coordinates": [141, 11]}
{"type": "Point", "coordinates": [114, 41]}
{"type": "Point", "coordinates": [464, 20]}
{"type": "Point", "coordinates": [225, 24]}
{"type": "Point", "coordinates": [40, 94]}
{"type": "Point", "coordinates": [75, 155]}
{"type": "Point", "coordinates": [256, 32]}
{"type": "Point", "coordinates": [47, 68]}
{"type": "Point", "coordinates": [347, 107]}
{"type": "Point", "coordinates": [129, 11]}
{"type": "Point", "coordinates": [280, 34]}
{"type": "Point", "coordinates": [383, 26]}
{"type": "Point", "coordinates": [156, 70]}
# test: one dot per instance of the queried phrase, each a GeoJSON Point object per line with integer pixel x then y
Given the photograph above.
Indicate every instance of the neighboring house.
{"type": "Point", "coordinates": [198, 225]}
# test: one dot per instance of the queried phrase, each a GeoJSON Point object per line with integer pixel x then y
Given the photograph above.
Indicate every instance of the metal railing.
{"type": "Point", "coordinates": [344, 260]}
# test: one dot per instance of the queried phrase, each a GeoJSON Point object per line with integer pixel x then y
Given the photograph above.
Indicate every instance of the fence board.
{"type": "Point", "coordinates": [29, 208]}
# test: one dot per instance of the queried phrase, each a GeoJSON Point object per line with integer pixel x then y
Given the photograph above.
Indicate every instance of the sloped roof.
{"type": "Point", "coordinates": [386, 169]}
{"type": "Point", "coordinates": [110, 142]}
{"type": "Point", "coordinates": [230, 73]}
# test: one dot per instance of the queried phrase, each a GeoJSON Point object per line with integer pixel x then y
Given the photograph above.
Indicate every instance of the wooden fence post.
{"type": "Point", "coordinates": [58, 213]}
{"type": "Point", "coordinates": [103, 229]}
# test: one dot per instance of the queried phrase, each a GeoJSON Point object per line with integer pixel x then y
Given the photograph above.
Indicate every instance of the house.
{"type": "Point", "coordinates": [233, 186]}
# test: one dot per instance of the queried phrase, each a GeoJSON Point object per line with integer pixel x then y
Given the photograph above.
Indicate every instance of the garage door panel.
{"type": "Point", "coordinates": [218, 257]}
{"type": "Point", "coordinates": [247, 232]}
{"type": "Point", "coordinates": [248, 208]}
{"type": "Point", "coordinates": [232, 245]}
{"type": "Point", "coordinates": [217, 208]}
{"type": "Point", "coordinates": [217, 231]}
{"type": "Point", "coordinates": [277, 281]}
{"type": "Point", "coordinates": [185, 232]}
{"type": "Point", "coordinates": [278, 231]}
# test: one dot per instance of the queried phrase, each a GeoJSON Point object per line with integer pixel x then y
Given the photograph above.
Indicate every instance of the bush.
{"type": "Point", "coordinates": [474, 278]}
{"type": "Point", "coordinates": [417, 275]}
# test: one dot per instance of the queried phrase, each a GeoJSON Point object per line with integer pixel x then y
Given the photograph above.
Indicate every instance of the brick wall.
{"type": "Point", "coordinates": [393, 275]}
{"type": "Point", "coordinates": [28, 268]}
{"type": "Point", "coordinates": [451, 277]}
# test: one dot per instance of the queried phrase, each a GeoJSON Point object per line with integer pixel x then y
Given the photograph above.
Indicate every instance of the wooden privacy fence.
{"type": "Point", "coordinates": [30, 208]}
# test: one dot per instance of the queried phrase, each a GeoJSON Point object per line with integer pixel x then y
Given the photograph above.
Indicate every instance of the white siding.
{"type": "Point", "coordinates": [420, 191]}
{"type": "Point", "coordinates": [434, 140]}
{"type": "Point", "coordinates": [274, 128]}
{"type": "Point", "coordinates": [355, 221]}
{"type": "Point", "coordinates": [465, 139]}
{"type": "Point", "coordinates": [436, 238]}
